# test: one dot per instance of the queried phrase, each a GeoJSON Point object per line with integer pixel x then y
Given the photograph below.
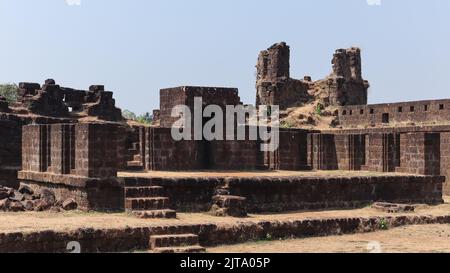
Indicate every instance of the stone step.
{"type": "Point", "coordinates": [153, 214]}
{"type": "Point", "coordinates": [142, 182]}
{"type": "Point", "coordinates": [151, 203]}
{"type": "Point", "coordinates": [136, 192]}
{"type": "Point", "coordinates": [229, 205]}
{"type": "Point", "coordinates": [133, 150]}
{"type": "Point", "coordinates": [134, 163]}
{"type": "Point", "coordinates": [135, 146]}
{"type": "Point", "coordinates": [137, 158]}
{"type": "Point", "coordinates": [229, 201]}
{"type": "Point", "coordinates": [173, 240]}
{"type": "Point", "coordinates": [134, 166]}
{"type": "Point", "coordinates": [187, 249]}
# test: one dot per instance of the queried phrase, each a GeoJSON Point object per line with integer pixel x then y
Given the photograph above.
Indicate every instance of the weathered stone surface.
{"type": "Point", "coordinates": [24, 189]}
{"type": "Point", "coordinates": [393, 208]}
{"type": "Point", "coordinates": [228, 205]}
{"type": "Point", "coordinates": [69, 204]}
{"type": "Point", "coordinates": [4, 204]}
{"type": "Point", "coordinates": [28, 205]}
{"type": "Point", "coordinates": [56, 101]}
{"type": "Point", "coordinates": [27, 196]}
{"type": "Point", "coordinates": [16, 206]}
{"type": "Point", "coordinates": [345, 85]}
{"type": "Point", "coordinates": [6, 193]}
{"type": "Point", "coordinates": [17, 196]}
{"type": "Point", "coordinates": [48, 197]}
{"type": "Point", "coordinates": [41, 205]}
{"type": "Point", "coordinates": [14, 201]}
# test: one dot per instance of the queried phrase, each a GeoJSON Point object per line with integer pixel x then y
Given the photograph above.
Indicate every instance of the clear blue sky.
{"type": "Point", "coordinates": [136, 47]}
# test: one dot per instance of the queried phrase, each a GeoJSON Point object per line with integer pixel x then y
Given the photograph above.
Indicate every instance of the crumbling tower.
{"type": "Point", "coordinates": [273, 83]}
{"type": "Point", "coordinates": [273, 63]}
{"type": "Point", "coordinates": [346, 85]}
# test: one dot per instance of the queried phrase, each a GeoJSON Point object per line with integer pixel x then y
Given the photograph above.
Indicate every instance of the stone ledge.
{"type": "Point", "coordinates": [68, 180]}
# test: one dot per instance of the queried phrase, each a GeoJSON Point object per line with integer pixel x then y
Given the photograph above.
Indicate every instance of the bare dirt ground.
{"type": "Point", "coordinates": [258, 174]}
{"type": "Point", "coordinates": [409, 239]}
{"type": "Point", "coordinates": [39, 221]}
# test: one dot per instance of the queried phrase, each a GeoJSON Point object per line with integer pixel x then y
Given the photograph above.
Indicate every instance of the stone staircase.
{"type": "Point", "coordinates": [175, 243]}
{"type": "Point", "coordinates": [134, 158]}
{"type": "Point", "coordinates": [148, 201]}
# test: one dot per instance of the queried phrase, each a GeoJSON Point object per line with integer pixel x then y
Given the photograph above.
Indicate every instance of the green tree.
{"type": "Point", "coordinates": [146, 118]}
{"type": "Point", "coordinates": [9, 91]}
{"type": "Point", "coordinates": [128, 115]}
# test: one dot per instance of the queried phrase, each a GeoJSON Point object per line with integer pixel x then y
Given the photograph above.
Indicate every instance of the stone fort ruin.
{"type": "Point", "coordinates": [76, 145]}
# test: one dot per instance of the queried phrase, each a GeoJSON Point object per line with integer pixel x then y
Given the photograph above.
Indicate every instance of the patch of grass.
{"type": "Point", "coordinates": [384, 225]}
{"type": "Point", "coordinates": [319, 109]}
{"type": "Point", "coordinates": [267, 238]}
{"type": "Point", "coordinates": [287, 125]}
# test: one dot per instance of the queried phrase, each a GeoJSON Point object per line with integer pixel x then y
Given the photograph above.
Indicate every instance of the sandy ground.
{"type": "Point", "coordinates": [38, 221]}
{"type": "Point", "coordinates": [410, 239]}
{"type": "Point", "coordinates": [258, 174]}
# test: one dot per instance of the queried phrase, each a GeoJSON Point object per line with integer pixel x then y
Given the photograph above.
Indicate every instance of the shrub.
{"type": "Point", "coordinates": [9, 91]}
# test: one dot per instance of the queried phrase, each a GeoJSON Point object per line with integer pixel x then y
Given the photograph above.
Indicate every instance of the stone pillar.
{"type": "Point", "coordinates": [95, 153]}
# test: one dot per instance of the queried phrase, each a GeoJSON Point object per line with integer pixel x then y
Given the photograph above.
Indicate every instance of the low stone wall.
{"type": "Point", "coordinates": [137, 238]}
{"type": "Point", "coordinates": [270, 194]}
{"type": "Point", "coordinates": [299, 193]}
{"type": "Point", "coordinates": [89, 193]}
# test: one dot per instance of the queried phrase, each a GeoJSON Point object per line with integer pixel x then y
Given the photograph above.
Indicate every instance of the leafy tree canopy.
{"type": "Point", "coordinates": [145, 118]}
{"type": "Point", "coordinates": [9, 91]}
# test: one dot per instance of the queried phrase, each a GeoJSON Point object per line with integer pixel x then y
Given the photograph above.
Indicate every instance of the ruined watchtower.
{"type": "Point", "coordinates": [273, 84]}
{"type": "Point", "coordinates": [347, 86]}
{"type": "Point", "coordinates": [344, 86]}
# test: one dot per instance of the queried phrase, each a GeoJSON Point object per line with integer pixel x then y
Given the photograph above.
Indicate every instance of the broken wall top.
{"type": "Point", "coordinates": [53, 100]}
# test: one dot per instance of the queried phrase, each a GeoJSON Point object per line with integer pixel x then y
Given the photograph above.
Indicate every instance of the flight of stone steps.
{"type": "Point", "coordinates": [176, 243]}
{"type": "Point", "coordinates": [148, 201]}
{"type": "Point", "coordinates": [134, 160]}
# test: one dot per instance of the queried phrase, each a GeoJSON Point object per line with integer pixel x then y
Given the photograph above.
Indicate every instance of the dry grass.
{"type": "Point", "coordinates": [306, 117]}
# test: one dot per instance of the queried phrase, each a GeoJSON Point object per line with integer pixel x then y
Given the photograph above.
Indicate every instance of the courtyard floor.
{"type": "Point", "coordinates": [148, 174]}
{"type": "Point", "coordinates": [408, 239]}
{"type": "Point", "coordinates": [40, 221]}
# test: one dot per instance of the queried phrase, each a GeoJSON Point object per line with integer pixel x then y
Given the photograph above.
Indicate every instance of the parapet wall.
{"type": "Point", "coordinates": [395, 114]}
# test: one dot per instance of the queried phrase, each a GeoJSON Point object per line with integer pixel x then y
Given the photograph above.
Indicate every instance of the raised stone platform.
{"type": "Point", "coordinates": [88, 193]}
{"type": "Point", "coordinates": [289, 191]}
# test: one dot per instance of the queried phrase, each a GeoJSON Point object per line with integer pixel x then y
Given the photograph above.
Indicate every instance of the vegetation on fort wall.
{"type": "Point", "coordinates": [9, 91]}
{"type": "Point", "coordinates": [145, 118]}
